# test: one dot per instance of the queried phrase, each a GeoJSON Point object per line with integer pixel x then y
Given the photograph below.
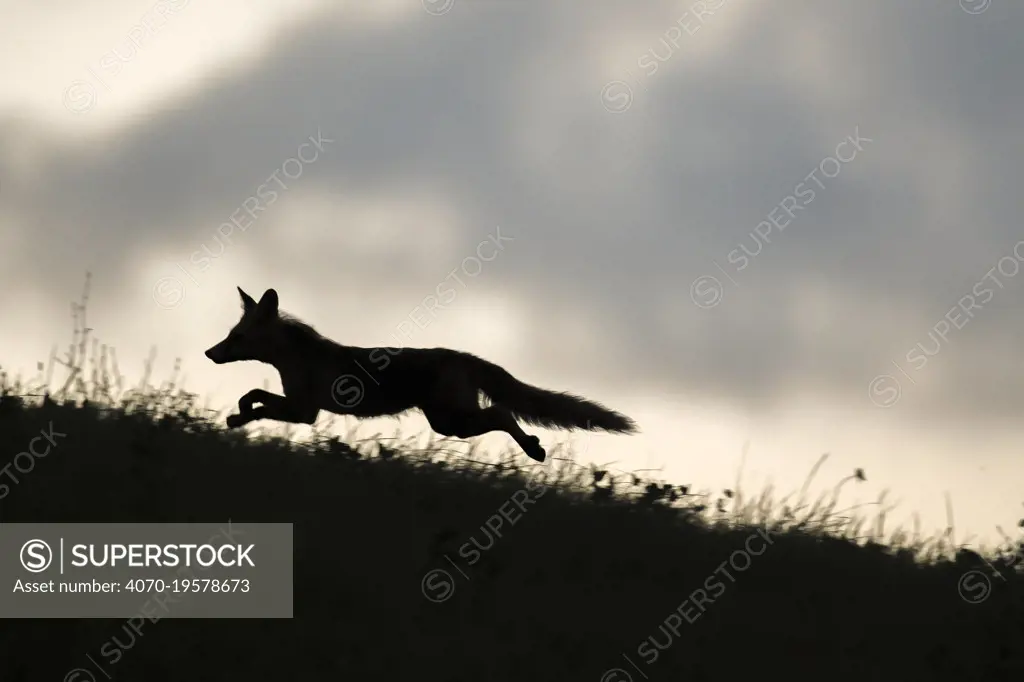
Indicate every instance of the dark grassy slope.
{"type": "Point", "coordinates": [579, 580]}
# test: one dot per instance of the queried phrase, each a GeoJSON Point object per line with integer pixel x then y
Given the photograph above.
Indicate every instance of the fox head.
{"type": "Point", "coordinates": [255, 336]}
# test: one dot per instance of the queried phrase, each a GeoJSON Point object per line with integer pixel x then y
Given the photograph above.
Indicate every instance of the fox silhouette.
{"type": "Point", "coordinates": [320, 374]}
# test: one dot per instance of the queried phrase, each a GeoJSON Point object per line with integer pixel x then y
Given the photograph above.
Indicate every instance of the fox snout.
{"type": "Point", "coordinates": [235, 348]}
{"type": "Point", "coordinates": [217, 354]}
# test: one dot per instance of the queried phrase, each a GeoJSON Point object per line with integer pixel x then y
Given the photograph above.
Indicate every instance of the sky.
{"type": "Point", "coordinates": [779, 229]}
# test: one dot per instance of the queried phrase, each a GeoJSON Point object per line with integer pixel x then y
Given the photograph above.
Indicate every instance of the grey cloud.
{"type": "Point", "coordinates": [626, 210]}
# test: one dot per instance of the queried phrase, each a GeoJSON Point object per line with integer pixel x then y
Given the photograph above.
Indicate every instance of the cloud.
{"type": "Point", "coordinates": [449, 126]}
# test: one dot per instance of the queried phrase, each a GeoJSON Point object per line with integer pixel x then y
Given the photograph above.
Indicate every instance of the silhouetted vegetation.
{"type": "Point", "coordinates": [592, 569]}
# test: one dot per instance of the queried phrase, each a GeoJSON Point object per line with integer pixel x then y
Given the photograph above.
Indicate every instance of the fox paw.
{"type": "Point", "coordinates": [236, 420]}
{"type": "Point", "coordinates": [534, 450]}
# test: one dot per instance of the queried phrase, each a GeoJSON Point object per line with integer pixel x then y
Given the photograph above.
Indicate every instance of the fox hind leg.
{"type": "Point", "coordinates": [454, 410]}
{"type": "Point", "coordinates": [465, 423]}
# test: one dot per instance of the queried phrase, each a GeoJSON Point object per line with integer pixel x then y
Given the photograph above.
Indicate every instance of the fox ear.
{"type": "Point", "coordinates": [248, 304]}
{"type": "Point", "coordinates": [268, 303]}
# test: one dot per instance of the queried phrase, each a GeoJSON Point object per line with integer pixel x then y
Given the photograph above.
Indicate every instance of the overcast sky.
{"type": "Point", "coordinates": [790, 224]}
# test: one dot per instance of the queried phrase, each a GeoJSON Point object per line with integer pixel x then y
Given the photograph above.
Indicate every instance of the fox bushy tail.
{"type": "Point", "coordinates": [541, 407]}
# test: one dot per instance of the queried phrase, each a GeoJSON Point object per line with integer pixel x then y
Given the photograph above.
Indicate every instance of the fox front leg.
{"type": "Point", "coordinates": [257, 395]}
{"type": "Point", "coordinates": [276, 407]}
{"type": "Point", "coordinates": [236, 420]}
{"type": "Point", "coordinates": [247, 412]}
